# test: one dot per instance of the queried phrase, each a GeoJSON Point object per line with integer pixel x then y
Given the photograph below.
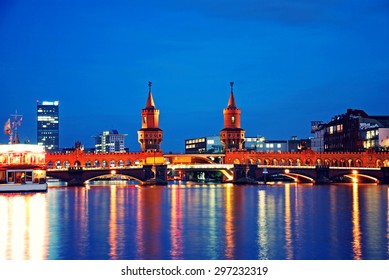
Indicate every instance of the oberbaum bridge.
{"type": "Point", "coordinates": [151, 166]}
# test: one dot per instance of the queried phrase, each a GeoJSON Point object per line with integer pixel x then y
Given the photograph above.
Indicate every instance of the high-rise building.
{"type": "Point", "coordinates": [232, 135]}
{"type": "Point", "coordinates": [48, 125]}
{"type": "Point", "coordinates": [109, 142]}
{"type": "Point", "coordinates": [150, 135]}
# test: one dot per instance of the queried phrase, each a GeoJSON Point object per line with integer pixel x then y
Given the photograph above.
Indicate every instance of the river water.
{"type": "Point", "coordinates": [219, 221]}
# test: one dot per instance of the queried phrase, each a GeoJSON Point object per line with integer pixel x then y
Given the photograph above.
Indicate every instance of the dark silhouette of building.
{"type": "Point", "coordinates": [150, 135]}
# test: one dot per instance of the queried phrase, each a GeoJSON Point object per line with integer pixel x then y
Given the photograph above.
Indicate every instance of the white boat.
{"type": "Point", "coordinates": [22, 168]}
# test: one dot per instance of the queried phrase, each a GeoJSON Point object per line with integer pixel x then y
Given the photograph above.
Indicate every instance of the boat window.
{"type": "Point", "coordinates": [2, 176]}
{"type": "Point", "coordinates": [19, 177]}
{"type": "Point", "coordinates": [28, 176]}
{"type": "Point", "coordinates": [11, 177]}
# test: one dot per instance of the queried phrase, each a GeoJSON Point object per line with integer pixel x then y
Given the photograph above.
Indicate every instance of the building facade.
{"type": "Point", "coordinates": [260, 144]}
{"type": "Point", "coordinates": [110, 142]}
{"type": "Point", "coordinates": [232, 135]}
{"type": "Point", "coordinates": [208, 145]}
{"type": "Point", "coordinates": [353, 131]}
{"type": "Point", "coordinates": [150, 135]}
{"type": "Point", "coordinates": [48, 125]}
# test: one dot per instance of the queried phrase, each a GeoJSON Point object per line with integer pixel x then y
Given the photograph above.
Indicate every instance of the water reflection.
{"type": "Point", "coordinates": [263, 246]}
{"type": "Point", "coordinates": [357, 247]}
{"type": "Point", "coordinates": [229, 223]}
{"type": "Point", "coordinates": [288, 224]}
{"type": "Point", "coordinates": [23, 227]}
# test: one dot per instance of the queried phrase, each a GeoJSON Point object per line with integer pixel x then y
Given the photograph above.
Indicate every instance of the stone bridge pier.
{"type": "Point", "coordinates": [385, 175]}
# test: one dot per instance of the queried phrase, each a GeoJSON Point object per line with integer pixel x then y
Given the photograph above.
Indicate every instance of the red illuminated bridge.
{"type": "Point", "coordinates": [237, 166]}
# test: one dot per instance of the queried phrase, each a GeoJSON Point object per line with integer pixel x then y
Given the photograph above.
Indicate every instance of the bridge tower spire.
{"type": "Point", "coordinates": [150, 135]}
{"type": "Point", "coordinates": [232, 135]}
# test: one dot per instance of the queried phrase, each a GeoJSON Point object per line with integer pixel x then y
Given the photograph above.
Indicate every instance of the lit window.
{"type": "Point", "coordinates": [233, 119]}
{"type": "Point", "coordinates": [278, 145]}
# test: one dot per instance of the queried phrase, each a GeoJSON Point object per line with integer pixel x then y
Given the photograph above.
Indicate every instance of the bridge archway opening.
{"type": "Point", "coordinates": [66, 164]}
{"type": "Point", "coordinates": [298, 162]}
{"type": "Point", "coordinates": [112, 163]}
{"type": "Point", "coordinates": [266, 161]}
{"type": "Point", "coordinates": [128, 162]}
{"type": "Point", "coordinates": [236, 161]}
{"type": "Point", "coordinates": [121, 163]}
{"type": "Point", "coordinates": [117, 178]}
{"type": "Point", "coordinates": [96, 163]}
{"type": "Point", "coordinates": [50, 164]}
{"type": "Point", "coordinates": [318, 161]}
{"type": "Point", "coordinates": [386, 163]}
{"type": "Point", "coordinates": [104, 163]}
{"type": "Point", "coordinates": [58, 165]}
{"type": "Point", "coordinates": [88, 163]}
{"type": "Point", "coordinates": [77, 163]}
{"type": "Point", "coordinates": [354, 177]}
{"type": "Point", "coordinates": [299, 178]}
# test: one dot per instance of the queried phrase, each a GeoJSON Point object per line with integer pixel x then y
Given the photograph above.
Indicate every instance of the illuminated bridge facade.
{"type": "Point", "coordinates": [237, 167]}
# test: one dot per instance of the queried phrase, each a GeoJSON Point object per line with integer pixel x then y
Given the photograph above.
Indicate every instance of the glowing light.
{"type": "Point", "coordinates": [357, 245]}
{"type": "Point", "coordinates": [113, 172]}
{"type": "Point", "coordinates": [287, 171]}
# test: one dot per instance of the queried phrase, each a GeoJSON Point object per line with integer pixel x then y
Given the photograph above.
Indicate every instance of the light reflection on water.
{"type": "Point", "coordinates": [197, 222]}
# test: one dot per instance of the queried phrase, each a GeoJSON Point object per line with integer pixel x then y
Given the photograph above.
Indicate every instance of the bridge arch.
{"type": "Point", "coordinates": [299, 178]}
{"type": "Point", "coordinates": [113, 176]}
{"type": "Point", "coordinates": [96, 163]}
{"type": "Point", "coordinates": [50, 164]}
{"type": "Point", "coordinates": [236, 161]}
{"type": "Point", "coordinates": [77, 163]}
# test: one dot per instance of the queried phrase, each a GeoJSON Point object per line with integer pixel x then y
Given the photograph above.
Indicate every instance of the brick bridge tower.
{"type": "Point", "coordinates": [150, 135]}
{"type": "Point", "coordinates": [232, 135]}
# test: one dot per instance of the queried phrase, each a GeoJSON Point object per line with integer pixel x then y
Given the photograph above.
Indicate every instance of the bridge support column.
{"type": "Point", "coordinates": [155, 175]}
{"type": "Point", "coordinates": [385, 173]}
{"type": "Point", "coordinates": [322, 174]}
{"type": "Point", "coordinates": [243, 174]}
{"type": "Point", "coordinates": [161, 174]}
{"type": "Point", "coordinates": [75, 175]}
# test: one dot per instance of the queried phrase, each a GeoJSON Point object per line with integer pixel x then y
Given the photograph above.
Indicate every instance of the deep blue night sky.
{"type": "Point", "coordinates": [292, 62]}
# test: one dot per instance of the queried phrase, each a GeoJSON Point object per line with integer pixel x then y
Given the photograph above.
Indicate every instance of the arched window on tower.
{"type": "Point", "coordinates": [233, 119]}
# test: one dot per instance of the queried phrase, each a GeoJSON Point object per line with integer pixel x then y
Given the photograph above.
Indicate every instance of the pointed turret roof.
{"type": "Point", "coordinates": [150, 100]}
{"type": "Point", "coordinates": [231, 101]}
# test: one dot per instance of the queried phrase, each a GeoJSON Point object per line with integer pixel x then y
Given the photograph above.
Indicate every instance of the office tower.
{"type": "Point", "coordinates": [110, 142]}
{"type": "Point", "coordinates": [48, 125]}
